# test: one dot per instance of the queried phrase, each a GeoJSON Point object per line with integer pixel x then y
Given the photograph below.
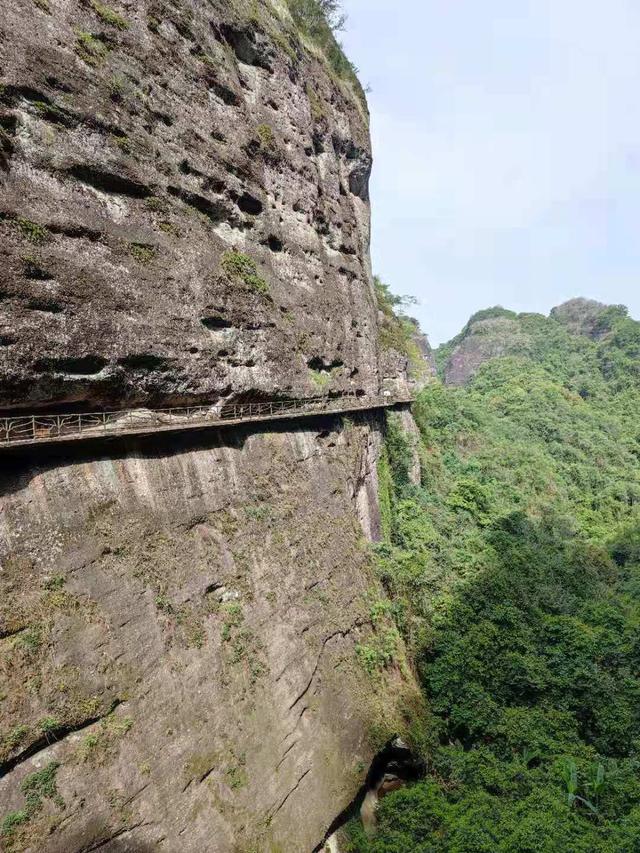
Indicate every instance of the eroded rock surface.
{"type": "Point", "coordinates": [184, 217]}
{"type": "Point", "coordinates": [144, 147]}
{"type": "Point", "coordinates": [180, 633]}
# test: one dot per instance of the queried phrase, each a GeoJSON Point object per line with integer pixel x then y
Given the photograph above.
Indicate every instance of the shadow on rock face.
{"type": "Point", "coordinates": [20, 464]}
{"type": "Point", "coordinates": [392, 768]}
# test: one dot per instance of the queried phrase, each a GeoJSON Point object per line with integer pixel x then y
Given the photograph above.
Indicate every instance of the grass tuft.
{"type": "Point", "coordinates": [240, 267]}
{"type": "Point", "coordinates": [109, 16]}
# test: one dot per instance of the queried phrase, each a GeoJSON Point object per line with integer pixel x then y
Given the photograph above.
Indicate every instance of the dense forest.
{"type": "Point", "coordinates": [514, 576]}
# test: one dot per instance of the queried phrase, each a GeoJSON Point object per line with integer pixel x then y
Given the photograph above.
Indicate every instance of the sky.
{"type": "Point", "coordinates": [506, 137]}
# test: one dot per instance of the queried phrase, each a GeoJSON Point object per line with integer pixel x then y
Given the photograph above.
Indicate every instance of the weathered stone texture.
{"type": "Point", "coordinates": [180, 618]}
{"type": "Point", "coordinates": [135, 154]}
{"type": "Point", "coordinates": [217, 594]}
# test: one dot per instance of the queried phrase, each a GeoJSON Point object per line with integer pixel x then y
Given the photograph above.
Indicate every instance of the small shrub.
{"type": "Point", "coordinates": [109, 16]}
{"type": "Point", "coordinates": [209, 60]}
{"type": "Point", "coordinates": [316, 103]}
{"type": "Point", "coordinates": [319, 21]}
{"type": "Point", "coordinates": [233, 618]}
{"type": "Point", "coordinates": [44, 5]}
{"type": "Point", "coordinates": [381, 653]}
{"type": "Point", "coordinates": [89, 743]}
{"type": "Point", "coordinates": [196, 638]}
{"type": "Point", "coordinates": [123, 142]}
{"type": "Point", "coordinates": [236, 778]}
{"type": "Point", "coordinates": [142, 252]}
{"type": "Point", "coordinates": [154, 203]}
{"type": "Point", "coordinates": [36, 787]}
{"type": "Point", "coordinates": [116, 88]}
{"type": "Point", "coordinates": [10, 822]}
{"type": "Point", "coordinates": [96, 745]}
{"type": "Point", "coordinates": [32, 231]}
{"type": "Point", "coordinates": [48, 726]}
{"type": "Point", "coordinates": [266, 137]}
{"type": "Point", "coordinates": [117, 726]}
{"type": "Point", "coordinates": [50, 112]}
{"type": "Point", "coordinates": [29, 640]}
{"type": "Point", "coordinates": [91, 49]}
{"type": "Point", "coordinates": [321, 378]}
{"type": "Point", "coordinates": [169, 228]}
{"type": "Point", "coordinates": [240, 267]}
{"type": "Point", "coordinates": [164, 604]}
{"type": "Point", "coordinates": [40, 786]}
{"type": "Point", "coordinates": [258, 513]}
{"type": "Point", "coordinates": [15, 737]}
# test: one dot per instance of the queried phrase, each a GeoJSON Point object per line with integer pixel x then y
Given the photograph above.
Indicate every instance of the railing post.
{"type": "Point", "coordinates": [33, 427]}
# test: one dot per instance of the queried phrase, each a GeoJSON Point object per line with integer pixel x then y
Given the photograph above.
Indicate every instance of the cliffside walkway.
{"type": "Point", "coordinates": [49, 429]}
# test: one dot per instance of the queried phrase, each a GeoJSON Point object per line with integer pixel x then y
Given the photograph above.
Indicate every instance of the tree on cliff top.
{"type": "Point", "coordinates": [333, 14]}
{"type": "Point", "coordinates": [320, 21]}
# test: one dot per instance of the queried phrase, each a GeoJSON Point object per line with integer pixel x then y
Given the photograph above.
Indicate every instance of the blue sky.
{"type": "Point", "coordinates": [507, 151]}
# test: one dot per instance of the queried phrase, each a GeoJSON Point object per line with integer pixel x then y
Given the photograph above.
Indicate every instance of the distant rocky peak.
{"type": "Point", "coordinates": [587, 316]}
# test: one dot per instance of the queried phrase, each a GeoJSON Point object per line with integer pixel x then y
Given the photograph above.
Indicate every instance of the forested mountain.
{"type": "Point", "coordinates": [514, 575]}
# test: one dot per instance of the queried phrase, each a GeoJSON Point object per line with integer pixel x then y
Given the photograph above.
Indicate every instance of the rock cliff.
{"type": "Point", "coordinates": [184, 216]}
{"type": "Point", "coordinates": [184, 207]}
{"type": "Point", "coordinates": [179, 642]}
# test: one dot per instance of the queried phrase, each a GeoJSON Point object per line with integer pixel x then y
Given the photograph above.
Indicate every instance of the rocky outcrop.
{"type": "Point", "coordinates": [408, 363]}
{"type": "Point", "coordinates": [587, 317]}
{"type": "Point", "coordinates": [180, 642]}
{"type": "Point", "coordinates": [484, 338]}
{"type": "Point", "coordinates": [184, 217]}
{"type": "Point", "coordinates": [184, 208]}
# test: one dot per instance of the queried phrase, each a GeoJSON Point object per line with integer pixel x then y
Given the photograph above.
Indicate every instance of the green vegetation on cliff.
{"type": "Point", "coordinates": [320, 21]}
{"type": "Point", "coordinates": [514, 575]}
{"type": "Point", "coordinates": [398, 331]}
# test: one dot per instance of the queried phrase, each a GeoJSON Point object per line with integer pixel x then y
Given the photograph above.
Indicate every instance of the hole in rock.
{"type": "Point", "coordinates": [144, 361]}
{"type": "Point", "coordinates": [109, 182]}
{"type": "Point", "coordinates": [249, 204]}
{"type": "Point", "coordinates": [215, 211]}
{"type": "Point", "coordinates": [45, 305]}
{"type": "Point", "coordinates": [76, 232]}
{"type": "Point", "coordinates": [274, 243]}
{"type": "Point", "coordinates": [228, 96]}
{"type": "Point", "coordinates": [34, 271]}
{"type": "Point", "coordinates": [321, 364]}
{"type": "Point", "coordinates": [85, 365]}
{"type": "Point", "coordinates": [216, 323]}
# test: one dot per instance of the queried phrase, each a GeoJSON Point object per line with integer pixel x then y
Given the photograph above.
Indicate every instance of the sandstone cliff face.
{"type": "Point", "coordinates": [184, 216]}
{"type": "Point", "coordinates": [180, 629]}
{"type": "Point", "coordinates": [482, 340]}
{"type": "Point", "coordinates": [183, 207]}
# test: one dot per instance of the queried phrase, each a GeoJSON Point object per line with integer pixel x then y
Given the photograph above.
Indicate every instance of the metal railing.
{"type": "Point", "coordinates": [30, 429]}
